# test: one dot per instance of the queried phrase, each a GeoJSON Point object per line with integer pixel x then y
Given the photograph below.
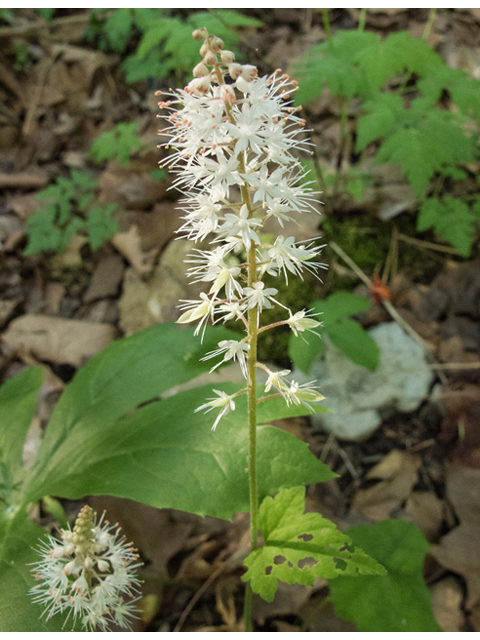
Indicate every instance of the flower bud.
{"type": "Point", "coordinates": [249, 72]}
{"type": "Point", "coordinates": [234, 70]}
{"type": "Point", "coordinates": [200, 70]}
{"type": "Point", "coordinates": [210, 58]}
{"type": "Point", "coordinates": [199, 34]}
{"type": "Point", "coordinates": [199, 86]}
{"type": "Point", "coordinates": [216, 44]}
{"type": "Point", "coordinates": [103, 566]}
{"type": "Point", "coordinates": [227, 56]}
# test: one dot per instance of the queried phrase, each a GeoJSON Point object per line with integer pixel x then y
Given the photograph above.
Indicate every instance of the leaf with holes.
{"type": "Point", "coordinates": [300, 547]}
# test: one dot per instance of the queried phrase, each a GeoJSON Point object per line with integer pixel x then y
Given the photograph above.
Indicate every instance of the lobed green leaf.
{"type": "Point", "coordinates": [300, 547]}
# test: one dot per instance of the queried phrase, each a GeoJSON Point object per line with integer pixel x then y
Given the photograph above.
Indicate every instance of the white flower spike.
{"type": "Point", "coordinates": [87, 574]}
{"type": "Point", "coordinates": [234, 140]}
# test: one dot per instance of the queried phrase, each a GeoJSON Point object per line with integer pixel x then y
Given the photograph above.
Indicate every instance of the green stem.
{"type": "Point", "coordinates": [428, 26]}
{"type": "Point", "coordinates": [361, 20]}
{"type": "Point", "coordinates": [326, 25]}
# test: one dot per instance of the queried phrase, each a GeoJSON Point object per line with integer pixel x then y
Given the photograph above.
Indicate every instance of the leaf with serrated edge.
{"type": "Point", "coordinates": [300, 547]}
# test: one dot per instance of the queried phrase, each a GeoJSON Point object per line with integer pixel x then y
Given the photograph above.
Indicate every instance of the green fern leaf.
{"type": "Point", "coordinates": [119, 143]}
{"type": "Point", "coordinates": [451, 218]}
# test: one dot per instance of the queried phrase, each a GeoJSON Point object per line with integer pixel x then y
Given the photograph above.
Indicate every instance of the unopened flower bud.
{"type": "Point", "coordinates": [103, 566]}
{"type": "Point", "coordinates": [227, 56]}
{"type": "Point", "coordinates": [204, 48]}
{"type": "Point", "coordinates": [199, 34]}
{"type": "Point", "coordinates": [234, 70]}
{"type": "Point", "coordinates": [249, 72]}
{"type": "Point", "coordinates": [216, 44]}
{"type": "Point", "coordinates": [69, 568]}
{"type": "Point", "coordinates": [200, 70]}
{"type": "Point", "coordinates": [199, 86]}
{"type": "Point", "coordinates": [210, 58]}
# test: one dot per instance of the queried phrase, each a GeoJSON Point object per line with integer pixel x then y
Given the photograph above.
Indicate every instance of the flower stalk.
{"type": "Point", "coordinates": [233, 140]}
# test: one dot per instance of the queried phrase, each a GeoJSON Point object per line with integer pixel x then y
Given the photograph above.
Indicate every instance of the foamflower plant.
{"type": "Point", "coordinates": [234, 141]}
{"type": "Point", "coordinates": [88, 574]}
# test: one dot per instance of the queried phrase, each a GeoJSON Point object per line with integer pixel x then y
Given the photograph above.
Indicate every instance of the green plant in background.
{"type": "Point", "coordinates": [401, 83]}
{"type": "Point", "coordinates": [68, 210]}
{"type": "Point", "coordinates": [119, 143]}
{"type": "Point", "coordinates": [165, 46]}
{"type": "Point", "coordinates": [346, 334]}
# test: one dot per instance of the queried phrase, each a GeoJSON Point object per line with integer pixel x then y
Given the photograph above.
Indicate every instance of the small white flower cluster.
{"type": "Point", "coordinates": [232, 149]}
{"type": "Point", "coordinates": [88, 574]}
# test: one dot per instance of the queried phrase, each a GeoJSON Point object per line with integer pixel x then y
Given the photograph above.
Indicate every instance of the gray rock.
{"type": "Point", "coordinates": [358, 397]}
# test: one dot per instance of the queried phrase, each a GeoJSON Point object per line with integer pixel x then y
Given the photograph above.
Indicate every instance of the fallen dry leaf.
{"type": "Point", "coordinates": [460, 434]}
{"type": "Point", "coordinates": [459, 550]}
{"type": "Point", "coordinates": [425, 509]}
{"type": "Point", "coordinates": [34, 178]}
{"type": "Point", "coordinates": [398, 472]}
{"type": "Point", "coordinates": [57, 339]}
{"type": "Point", "coordinates": [129, 244]}
{"type": "Point", "coordinates": [447, 597]}
{"type": "Point", "coordinates": [106, 278]}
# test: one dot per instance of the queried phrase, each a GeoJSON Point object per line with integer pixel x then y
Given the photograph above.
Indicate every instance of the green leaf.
{"type": "Point", "coordinates": [42, 232]}
{"type": "Point", "coordinates": [18, 401]}
{"type": "Point", "coordinates": [118, 27]}
{"type": "Point", "coordinates": [356, 343]}
{"type": "Point", "coordinates": [381, 120]}
{"type": "Point", "coordinates": [347, 335]}
{"type": "Point", "coordinates": [17, 613]}
{"type": "Point", "coordinates": [127, 373]}
{"type": "Point", "coordinates": [452, 218]}
{"type": "Point", "coordinates": [339, 306]}
{"type": "Point", "coordinates": [398, 53]}
{"type": "Point", "coordinates": [398, 601]}
{"type": "Point", "coordinates": [100, 225]}
{"type": "Point", "coordinates": [464, 90]}
{"type": "Point", "coordinates": [300, 547]}
{"type": "Point", "coordinates": [166, 455]}
{"type": "Point", "coordinates": [426, 141]}
{"type": "Point", "coordinates": [304, 351]}
{"type": "Point", "coordinates": [118, 143]}
{"type": "Point", "coordinates": [335, 64]}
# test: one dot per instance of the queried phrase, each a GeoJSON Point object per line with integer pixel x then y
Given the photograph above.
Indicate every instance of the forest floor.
{"type": "Point", "coordinates": [58, 92]}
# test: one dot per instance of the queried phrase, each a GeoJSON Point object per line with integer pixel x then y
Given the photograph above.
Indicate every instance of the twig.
{"type": "Point", "coordinates": [388, 306]}
{"type": "Point", "coordinates": [211, 578]}
{"type": "Point", "coordinates": [427, 245]}
{"type": "Point", "coordinates": [41, 25]}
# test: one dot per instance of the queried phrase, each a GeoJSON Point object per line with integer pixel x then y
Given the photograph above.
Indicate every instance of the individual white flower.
{"type": "Point", "coordinates": [87, 575]}
{"type": "Point", "coordinates": [275, 380]}
{"type": "Point", "coordinates": [303, 394]}
{"type": "Point", "coordinates": [301, 322]}
{"type": "Point", "coordinates": [242, 226]}
{"type": "Point", "coordinates": [224, 401]}
{"type": "Point", "coordinates": [198, 310]}
{"type": "Point", "coordinates": [233, 350]}
{"type": "Point", "coordinates": [258, 296]}
{"type": "Point", "coordinates": [286, 255]}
